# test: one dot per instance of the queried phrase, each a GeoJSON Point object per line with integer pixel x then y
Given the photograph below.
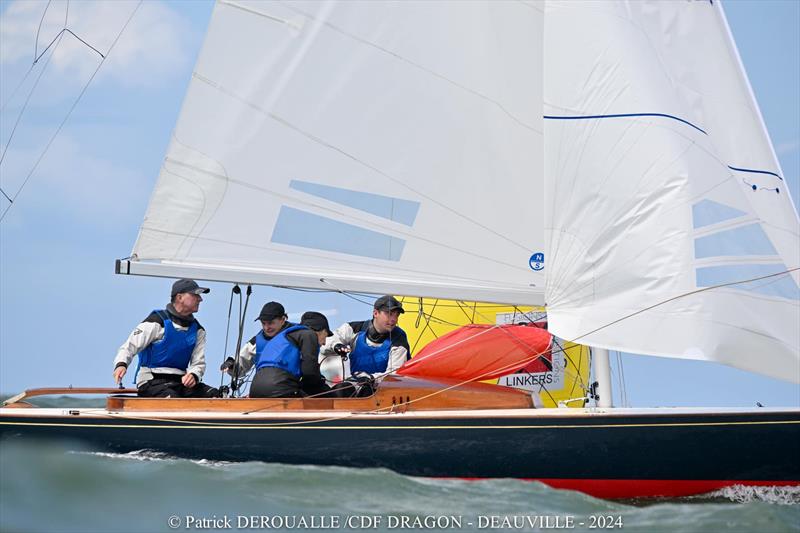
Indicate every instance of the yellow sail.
{"type": "Point", "coordinates": [426, 319]}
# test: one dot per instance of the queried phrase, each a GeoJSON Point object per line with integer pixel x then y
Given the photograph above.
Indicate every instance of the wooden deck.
{"type": "Point", "coordinates": [395, 393]}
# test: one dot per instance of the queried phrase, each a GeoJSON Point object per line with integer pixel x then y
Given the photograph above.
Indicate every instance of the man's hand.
{"type": "Point", "coordinates": [189, 380]}
{"type": "Point", "coordinates": [341, 349]}
{"type": "Point", "coordinates": [227, 365]}
{"type": "Point", "coordinates": [119, 372]}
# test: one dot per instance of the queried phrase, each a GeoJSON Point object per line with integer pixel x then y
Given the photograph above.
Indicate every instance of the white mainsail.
{"type": "Point", "coordinates": [661, 182]}
{"type": "Point", "coordinates": [400, 147]}
{"type": "Point", "coordinates": [377, 146]}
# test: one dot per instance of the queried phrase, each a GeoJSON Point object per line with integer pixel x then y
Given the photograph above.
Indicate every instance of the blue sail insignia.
{"type": "Point", "coordinates": [300, 228]}
{"type": "Point", "coordinates": [707, 212]}
{"type": "Point", "coordinates": [388, 207]}
{"type": "Point", "coordinates": [781, 286]}
{"type": "Point", "coordinates": [745, 240]}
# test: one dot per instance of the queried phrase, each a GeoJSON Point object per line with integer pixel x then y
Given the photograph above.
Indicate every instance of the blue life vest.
{"type": "Point", "coordinates": [280, 352]}
{"type": "Point", "coordinates": [175, 348]}
{"type": "Point", "coordinates": [261, 343]}
{"type": "Point", "coordinates": [370, 359]}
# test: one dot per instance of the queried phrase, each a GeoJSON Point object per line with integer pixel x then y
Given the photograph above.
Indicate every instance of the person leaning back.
{"type": "Point", "coordinates": [170, 344]}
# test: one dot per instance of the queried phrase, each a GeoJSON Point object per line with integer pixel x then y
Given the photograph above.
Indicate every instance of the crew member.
{"type": "Point", "coordinates": [287, 365]}
{"type": "Point", "coordinates": [171, 345]}
{"type": "Point", "coordinates": [374, 346]}
{"type": "Point", "coordinates": [273, 319]}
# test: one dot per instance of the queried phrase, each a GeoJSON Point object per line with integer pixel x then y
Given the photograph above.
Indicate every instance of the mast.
{"type": "Point", "coordinates": [602, 373]}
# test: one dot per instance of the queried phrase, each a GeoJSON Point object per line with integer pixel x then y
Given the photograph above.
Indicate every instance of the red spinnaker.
{"type": "Point", "coordinates": [480, 351]}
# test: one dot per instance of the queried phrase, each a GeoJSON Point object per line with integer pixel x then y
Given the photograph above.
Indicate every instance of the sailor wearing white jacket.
{"type": "Point", "coordinates": [378, 346]}
{"type": "Point", "coordinates": [170, 344]}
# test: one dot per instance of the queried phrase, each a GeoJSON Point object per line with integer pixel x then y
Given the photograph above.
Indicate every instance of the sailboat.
{"type": "Point", "coordinates": [606, 160]}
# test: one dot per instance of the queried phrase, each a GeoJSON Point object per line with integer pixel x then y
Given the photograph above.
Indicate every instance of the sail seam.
{"type": "Point", "coordinates": [597, 236]}
{"type": "Point", "coordinates": [420, 67]}
{"type": "Point", "coordinates": [259, 13]}
{"type": "Point", "coordinates": [724, 225]}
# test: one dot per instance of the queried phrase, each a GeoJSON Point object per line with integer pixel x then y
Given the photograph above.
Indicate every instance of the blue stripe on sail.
{"type": "Point", "coordinates": [299, 228]}
{"type": "Point", "coordinates": [707, 212]}
{"type": "Point", "coordinates": [624, 115]}
{"type": "Point", "coordinates": [746, 240]}
{"type": "Point", "coordinates": [754, 171]}
{"type": "Point", "coordinates": [395, 209]}
{"type": "Point", "coordinates": [781, 286]}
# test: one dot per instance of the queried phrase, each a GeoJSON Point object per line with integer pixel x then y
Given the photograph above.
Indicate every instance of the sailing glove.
{"type": "Point", "coordinates": [341, 349]}
{"type": "Point", "coordinates": [227, 364]}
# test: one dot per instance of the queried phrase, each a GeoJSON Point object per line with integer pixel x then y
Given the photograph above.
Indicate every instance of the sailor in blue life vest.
{"type": "Point", "coordinates": [273, 320]}
{"type": "Point", "coordinates": [287, 365]}
{"type": "Point", "coordinates": [171, 346]}
{"type": "Point", "coordinates": [376, 346]}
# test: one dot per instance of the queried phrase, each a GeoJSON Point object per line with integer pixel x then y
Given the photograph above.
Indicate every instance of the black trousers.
{"type": "Point", "coordinates": [271, 382]}
{"type": "Point", "coordinates": [170, 386]}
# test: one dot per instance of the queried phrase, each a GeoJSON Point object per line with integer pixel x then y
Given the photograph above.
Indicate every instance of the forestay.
{"type": "Point", "coordinates": [661, 182]}
{"type": "Point", "coordinates": [368, 146]}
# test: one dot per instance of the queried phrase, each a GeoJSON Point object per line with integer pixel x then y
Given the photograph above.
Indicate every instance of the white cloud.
{"type": "Point", "coordinates": [154, 44]}
{"type": "Point", "coordinates": [74, 183]}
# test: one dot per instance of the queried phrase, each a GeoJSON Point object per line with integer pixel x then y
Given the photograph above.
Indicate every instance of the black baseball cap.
{"type": "Point", "coordinates": [388, 303]}
{"type": "Point", "coordinates": [271, 311]}
{"type": "Point", "coordinates": [316, 321]}
{"type": "Point", "coordinates": [188, 285]}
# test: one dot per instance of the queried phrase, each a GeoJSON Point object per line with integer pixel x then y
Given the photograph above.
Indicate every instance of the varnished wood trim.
{"type": "Point", "coordinates": [65, 390]}
{"type": "Point", "coordinates": [396, 393]}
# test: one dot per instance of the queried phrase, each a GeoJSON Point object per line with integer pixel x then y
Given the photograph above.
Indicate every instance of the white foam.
{"type": "Point", "coordinates": [138, 455]}
{"type": "Point", "coordinates": [152, 455]}
{"type": "Point", "coordinates": [769, 494]}
{"type": "Point", "coordinates": [208, 462]}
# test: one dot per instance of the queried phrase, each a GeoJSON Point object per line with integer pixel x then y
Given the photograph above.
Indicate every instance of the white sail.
{"type": "Point", "coordinates": [400, 147]}
{"type": "Point", "coordinates": [661, 184]}
{"type": "Point", "coordinates": [373, 146]}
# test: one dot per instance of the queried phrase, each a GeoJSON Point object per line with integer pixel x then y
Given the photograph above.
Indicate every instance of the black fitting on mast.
{"type": "Point", "coordinates": [592, 391]}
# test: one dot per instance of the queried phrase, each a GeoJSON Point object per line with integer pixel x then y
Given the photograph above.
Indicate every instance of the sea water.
{"type": "Point", "coordinates": [58, 487]}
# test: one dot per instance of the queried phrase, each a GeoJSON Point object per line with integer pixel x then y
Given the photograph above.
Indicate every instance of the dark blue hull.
{"type": "Point", "coordinates": [746, 448]}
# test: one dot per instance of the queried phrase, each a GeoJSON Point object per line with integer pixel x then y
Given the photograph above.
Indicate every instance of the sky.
{"type": "Point", "coordinates": [63, 311]}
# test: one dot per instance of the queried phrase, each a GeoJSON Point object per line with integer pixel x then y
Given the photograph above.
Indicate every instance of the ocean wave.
{"type": "Point", "coordinates": [768, 494]}
{"type": "Point", "coordinates": [90, 491]}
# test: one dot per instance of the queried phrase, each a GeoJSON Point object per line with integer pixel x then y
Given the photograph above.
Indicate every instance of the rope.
{"type": "Point", "coordinates": [69, 113]}
{"type": "Point", "coordinates": [678, 297]}
{"type": "Point", "coordinates": [227, 333]}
